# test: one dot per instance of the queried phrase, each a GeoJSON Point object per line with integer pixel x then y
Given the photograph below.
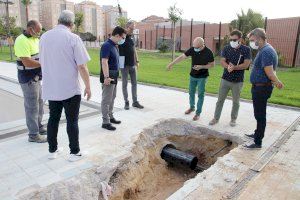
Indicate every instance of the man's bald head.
{"type": "Point", "coordinates": [34, 28]}
{"type": "Point", "coordinates": [198, 42]}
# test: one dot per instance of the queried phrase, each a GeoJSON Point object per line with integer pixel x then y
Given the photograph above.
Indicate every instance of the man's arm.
{"type": "Point", "coordinates": [224, 63]}
{"type": "Point", "coordinates": [177, 60]}
{"type": "Point", "coordinates": [104, 65]}
{"type": "Point", "coordinates": [105, 70]}
{"type": "Point", "coordinates": [209, 65]}
{"type": "Point", "coordinates": [273, 77]}
{"type": "Point", "coordinates": [136, 57]}
{"type": "Point", "coordinates": [84, 73]}
{"type": "Point", "coordinates": [242, 66]}
{"type": "Point", "coordinates": [30, 63]}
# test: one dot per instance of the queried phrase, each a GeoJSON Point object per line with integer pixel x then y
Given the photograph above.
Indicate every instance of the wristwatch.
{"type": "Point", "coordinates": [137, 61]}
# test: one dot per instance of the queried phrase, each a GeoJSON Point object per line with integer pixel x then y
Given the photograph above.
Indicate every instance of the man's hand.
{"type": "Point", "coordinates": [169, 67]}
{"type": "Point", "coordinates": [87, 93]}
{"type": "Point", "coordinates": [137, 65]}
{"type": "Point", "coordinates": [197, 67]}
{"type": "Point", "coordinates": [278, 84]}
{"type": "Point", "coordinates": [107, 81]}
{"type": "Point", "coordinates": [230, 67]}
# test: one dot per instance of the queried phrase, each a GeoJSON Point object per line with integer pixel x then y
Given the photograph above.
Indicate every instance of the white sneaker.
{"type": "Point", "coordinates": [54, 155]}
{"type": "Point", "coordinates": [232, 123]}
{"type": "Point", "coordinates": [76, 157]}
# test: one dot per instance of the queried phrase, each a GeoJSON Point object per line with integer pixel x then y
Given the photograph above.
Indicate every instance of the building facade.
{"type": "Point", "coordinates": [111, 15]}
{"type": "Point", "coordinates": [94, 18]}
{"type": "Point", "coordinates": [50, 11]}
{"type": "Point", "coordinates": [18, 11]}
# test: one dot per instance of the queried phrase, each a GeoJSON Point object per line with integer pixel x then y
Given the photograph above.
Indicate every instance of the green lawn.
{"type": "Point", "coordinates": [5, 54]}
{"type": "Point", "coordinates": [153, 70]}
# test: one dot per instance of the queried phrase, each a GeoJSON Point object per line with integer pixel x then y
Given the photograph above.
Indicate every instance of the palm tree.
{"type": "Point", "coordinates": [26, 3]}
{"type": "Point", "coordinates": [246, 22]}
{"type": "Point", "coordinates": [174, 15]}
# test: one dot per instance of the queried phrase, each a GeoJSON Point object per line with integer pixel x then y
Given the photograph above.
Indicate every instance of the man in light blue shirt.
{"type": "Point", "coordinates": [63, 57]}
{"type": "Point", "coordinates": [263, 77]}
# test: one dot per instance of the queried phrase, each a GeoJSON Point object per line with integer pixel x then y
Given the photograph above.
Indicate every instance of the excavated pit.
{"type": "Point", "coordinates": [148, 177]}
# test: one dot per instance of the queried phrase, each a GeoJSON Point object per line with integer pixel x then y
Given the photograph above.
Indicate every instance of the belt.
{"type": "Point", "coordinates": [262, 84]}
{"type": "Point", "coordinates": [20, 66]}
{"type": "Point", "coordinates": [24, 68]}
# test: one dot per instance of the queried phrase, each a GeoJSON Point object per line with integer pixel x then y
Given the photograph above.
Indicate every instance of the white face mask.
{"type": "Point", "coordinates": [253, 45]}
{"type": "Point", "coordinates": [234, 44]}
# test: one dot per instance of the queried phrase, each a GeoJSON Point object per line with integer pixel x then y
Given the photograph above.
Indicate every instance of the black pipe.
{"type": "Point", "coordinates": [173, 156]}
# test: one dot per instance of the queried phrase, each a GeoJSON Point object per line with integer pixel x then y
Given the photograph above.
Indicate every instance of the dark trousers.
{"type": "Point", "coordinates": [260, 96]}
{"type": "Point", "coordinates": [71, 107]}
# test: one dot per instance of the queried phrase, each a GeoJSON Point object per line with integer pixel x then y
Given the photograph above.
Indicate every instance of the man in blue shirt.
{"type": "Point", "coordinates": [263, 77]}
{"type": "Point", "coordinates": [235, 59]}
{"type": "Point", "coordinates": [109, 60]}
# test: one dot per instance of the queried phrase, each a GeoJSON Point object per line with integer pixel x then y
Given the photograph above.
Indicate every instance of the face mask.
{"type": "Point", "coordinates": [35, 35]}
{"type": "Point", "coordinates": [196, 49]}
{"type": "Point", "coordinates": [121, 42]}
{"type": "Point", "coordinates": [253, 45]}
{"type": "Point", "coordinates": [234, 44]}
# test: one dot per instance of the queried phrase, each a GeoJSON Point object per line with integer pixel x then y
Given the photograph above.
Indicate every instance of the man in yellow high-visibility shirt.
{"type": "Point", "coordinates": [29, 76]}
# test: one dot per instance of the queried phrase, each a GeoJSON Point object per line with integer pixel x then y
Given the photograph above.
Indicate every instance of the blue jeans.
{"type": "Point", "coordinates": [260, 96]}
{"type": "Point", "coordinates": [194, 83]}
{"type": "Point", "coordinates": [71, 106]}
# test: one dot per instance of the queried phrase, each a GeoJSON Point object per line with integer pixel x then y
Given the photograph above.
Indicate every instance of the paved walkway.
{"type": "Point", "coordinates": [24, 167]}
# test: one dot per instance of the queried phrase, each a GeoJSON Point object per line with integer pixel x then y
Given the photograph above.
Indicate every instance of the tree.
{"type": "Point", "coordinates": [88, 37]}
{"type": "Point", "coordinates": [122, 21]}
{"type": "Point", "coordinates": [79, 17]}
{"type": "Point", "coordinates": [26, 3]}
{"type": "Point", "coordinates": [78, 22]}
{"type": "Point", "coordinates": [246, 22]}
{"type": "Point", "coordinates": [174, 15]}
{"type": "Point", "coordinates": [14, 31]}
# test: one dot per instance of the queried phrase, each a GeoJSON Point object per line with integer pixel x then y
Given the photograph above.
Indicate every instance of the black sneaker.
{"type": "Point", "coordinates": [252, 146]}
{"type": "Point", "coordinates": [126, 107]}
{"type": "Point", "coordinates": [114, 121]}
{"type": "Point", "coordinates": [137, 105]}
{"type": "Point", "coordinates": [250, 136]}
{"type": "Point", "coordinates": [108, 127]}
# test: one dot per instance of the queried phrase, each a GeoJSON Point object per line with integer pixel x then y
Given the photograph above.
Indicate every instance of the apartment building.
{"type": "Point", "coordinates": [50, 11]}
{"type": "Point", "coordinates": [94, 18]}
{"type": "Point", "coordinates": [18, 11]}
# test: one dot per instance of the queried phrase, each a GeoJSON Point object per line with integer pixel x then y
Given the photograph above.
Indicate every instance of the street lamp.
{"type": "Point", "coordinates": [7, 3]}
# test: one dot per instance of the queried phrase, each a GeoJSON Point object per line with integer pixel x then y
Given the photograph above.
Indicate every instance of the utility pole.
{"type": "Point", "coordinates": [7, 3]}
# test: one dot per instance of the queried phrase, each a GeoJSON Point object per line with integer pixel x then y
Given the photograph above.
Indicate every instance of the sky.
{"type": "Point", "coordinates": [208, 10]}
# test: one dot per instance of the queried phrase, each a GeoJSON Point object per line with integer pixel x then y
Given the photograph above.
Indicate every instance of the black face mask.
{"type": "Point", "coordinates": [26, 34]}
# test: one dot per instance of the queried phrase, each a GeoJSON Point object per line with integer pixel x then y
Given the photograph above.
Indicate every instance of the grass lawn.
{"type": "Point", "coordinates": [153, 70]}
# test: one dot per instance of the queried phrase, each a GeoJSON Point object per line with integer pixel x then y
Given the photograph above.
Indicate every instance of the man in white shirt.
{"type": "Point", "coordinates": [63, 57]}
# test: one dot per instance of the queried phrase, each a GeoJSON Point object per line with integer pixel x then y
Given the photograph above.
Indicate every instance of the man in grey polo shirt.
{"type": "Point", "coordinates": [63, 57]}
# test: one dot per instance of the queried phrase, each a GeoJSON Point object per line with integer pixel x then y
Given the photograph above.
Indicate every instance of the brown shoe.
{"type": "Point", "coordinates": [189, 111]}
{"type": "Point", "coordinates": [196, 117]}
